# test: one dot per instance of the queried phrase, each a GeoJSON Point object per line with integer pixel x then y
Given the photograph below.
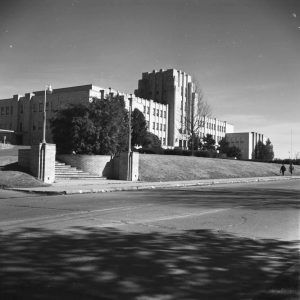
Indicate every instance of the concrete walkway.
{"type": "Point", "coordinates": [106, 185]}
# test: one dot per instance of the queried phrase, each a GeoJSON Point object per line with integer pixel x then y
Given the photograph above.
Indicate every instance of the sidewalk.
{"type": "Point", "coordinates": [64, 187]}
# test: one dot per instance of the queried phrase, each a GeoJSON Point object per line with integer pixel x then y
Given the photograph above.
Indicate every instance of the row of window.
{"type": "Point", "coordinates": [40, 107]}
{"type": "Point", "coordinates": [212, 126]}
{"type": "Point", "coordinates": [163, 141]}
{"type": "Point", "coordinates": [157, 126]}
{"type": "Point", "coordinates": [5, 110]}
{"type": "Point", "coordinates": [156, 112]}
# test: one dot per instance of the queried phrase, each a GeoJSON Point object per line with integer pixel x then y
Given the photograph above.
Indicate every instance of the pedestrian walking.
{"type": "Point", "coordinates": [282, 170]}
{"type": "Point", "coordinates": [291, 168]}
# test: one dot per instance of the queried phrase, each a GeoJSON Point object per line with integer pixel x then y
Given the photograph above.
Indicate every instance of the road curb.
{"type": "Point", "coordinates": [152, 186]}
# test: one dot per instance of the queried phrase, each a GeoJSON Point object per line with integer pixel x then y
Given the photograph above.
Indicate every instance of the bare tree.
{"type": "Point", "coordinates": [196, 113]}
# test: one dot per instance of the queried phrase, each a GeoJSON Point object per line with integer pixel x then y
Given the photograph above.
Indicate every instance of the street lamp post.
{"type": "Point", "coordinates": [48, 89]}
{"type": "Point", "coordinates": [41, 172]}
{"type": "Point", "coordinates": [129, 167]}
{"type": "Point", "coordinates": [129, 123]}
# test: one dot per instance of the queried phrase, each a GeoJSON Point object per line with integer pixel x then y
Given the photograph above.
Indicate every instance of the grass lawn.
{"type": "Point", "coordinates": [18, 179]}
{"type": "Point", "coordinates": [10, 174]}
{"type": "Point", "coordinates": [174, 167]}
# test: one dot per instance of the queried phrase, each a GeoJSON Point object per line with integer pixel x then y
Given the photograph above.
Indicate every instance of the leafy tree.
{"type": "Point", "coordinates": [234, 151]}
{"type": "Point", "coordinates": [139, 127]}
{"type": "Point", "coordinates": [100, 127]}
{"type": "Point", "coordinates": [152, 143]}
{"type": "Point", "coordinates": [259, 150]}
{"type": "Point", "coordinates": [223, 146]}
{"type": "Point", "coordinates": [269, 152]}
{"type": "Point", "coordinates": [209, 142]}
{"type": "Point", "coordinates": [194, 143]}
{"type": "Point", "coordinates": [230, 151]}
{"type": "Point", "coordinates": [264, 152]}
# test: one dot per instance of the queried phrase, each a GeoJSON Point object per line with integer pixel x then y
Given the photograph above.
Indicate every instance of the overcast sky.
{"type": "Point", "coordinates": [244, 53]}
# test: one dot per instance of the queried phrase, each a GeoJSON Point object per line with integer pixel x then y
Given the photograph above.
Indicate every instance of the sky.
{"type": "Point", "coordinates": [244, 53]}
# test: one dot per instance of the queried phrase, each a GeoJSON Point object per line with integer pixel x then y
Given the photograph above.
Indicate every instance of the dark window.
{"type": "Point", "coordinates": [2, 111]}
{"type": "Point", "coordinates": [40, 107]}
{"type": "Point", "coordinates": [157, 112]}
{"type": "Point", "coordinates": [153, 111]}
{"type": "Point", "coordinates": [165, 114]}
{"type": "Point", "coordinates": [7, 110]}
{"type": "Point", "coordinates": [153, 125]}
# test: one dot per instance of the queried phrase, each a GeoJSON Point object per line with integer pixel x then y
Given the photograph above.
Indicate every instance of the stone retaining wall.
{"type": "Point", "coordinates": [104, 165]}
{"type": "Point", "coordinates": [94, 164]}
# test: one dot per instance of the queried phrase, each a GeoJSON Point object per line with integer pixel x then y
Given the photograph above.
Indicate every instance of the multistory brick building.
{"type": "Point", "coordinates": [164, 97]}
{"type": "Point", "coordinates": [24, 114]}
{"type": "Point", "coordinates": [177, 89]}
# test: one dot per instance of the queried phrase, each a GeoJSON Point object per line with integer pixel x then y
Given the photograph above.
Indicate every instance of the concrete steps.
{"type": "Point", "coordinates": [66, 172]}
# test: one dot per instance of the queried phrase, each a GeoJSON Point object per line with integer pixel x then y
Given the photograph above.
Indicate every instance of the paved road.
{"type": "Point", "coordinates": [221, 242]}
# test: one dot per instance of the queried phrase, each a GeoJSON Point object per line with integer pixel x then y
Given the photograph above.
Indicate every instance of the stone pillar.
{"type": "Point", "coordinates": [135, 157]}
{"type": "Point", "coordinates": [129, 166]}
{"type": "Point", "coordinates": [42, 162]}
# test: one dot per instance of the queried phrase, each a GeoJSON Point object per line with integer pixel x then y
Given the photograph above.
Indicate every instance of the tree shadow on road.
{"type": "Point", "coordinates": [104, 263]}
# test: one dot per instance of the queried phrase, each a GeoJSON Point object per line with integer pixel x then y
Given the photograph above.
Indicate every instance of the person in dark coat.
{"type": "Point", "coordinates": [282, 170]}
{"type": "Point", "coordinates": [291, 168]}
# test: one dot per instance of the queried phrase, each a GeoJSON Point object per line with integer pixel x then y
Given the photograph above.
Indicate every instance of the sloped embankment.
{"type": "Point", "coordinates": [172, 167]}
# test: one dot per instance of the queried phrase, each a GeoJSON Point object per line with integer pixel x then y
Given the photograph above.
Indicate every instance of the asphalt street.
{"type": "Point", "coordinates": [220, 242]}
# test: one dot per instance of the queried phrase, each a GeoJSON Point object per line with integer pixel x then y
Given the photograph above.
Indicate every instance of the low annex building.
{"type": "Point", "coordinates": [245, 141]}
